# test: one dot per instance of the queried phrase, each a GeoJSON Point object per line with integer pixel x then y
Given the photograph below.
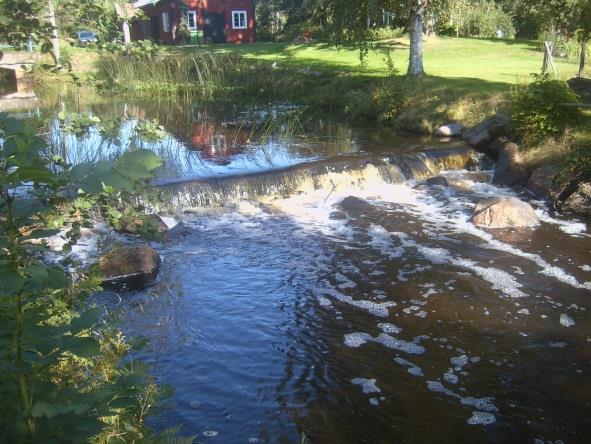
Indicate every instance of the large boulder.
{"type": "Point", "coordinates": [579, 201]}
{"type": "Point", "coordinates": [450, 130]}
{"type": "Point", "coordinates": [541, 181]}
{"type": "Point", "coordinates": [510, 169]}
{"type": "Point", "coordinates": [504, 212]}
{"type": "Point", "coordinates": [582, 87]}
{"type": "Point", "coordinates": [130, 267]}
{"type": "Point", "coordinates": [149, 226]}
{"type": "Point", "coordinates": [482, 134]}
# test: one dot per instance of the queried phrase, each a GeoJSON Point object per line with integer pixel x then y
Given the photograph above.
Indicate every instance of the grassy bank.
{"type": "Point", "coordinates": [468, 79]}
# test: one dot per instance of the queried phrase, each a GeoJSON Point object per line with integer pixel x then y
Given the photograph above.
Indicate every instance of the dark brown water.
{"type": "Point", "coordinates": [350, 302]}
{"type": "Point", "coordinates": [376, 313]}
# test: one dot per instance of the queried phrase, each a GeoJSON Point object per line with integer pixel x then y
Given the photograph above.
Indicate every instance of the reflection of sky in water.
{"type": "Point", "coordinates": [217, 157]}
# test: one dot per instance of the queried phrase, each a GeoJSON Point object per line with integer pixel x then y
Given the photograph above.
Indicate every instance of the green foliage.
{"type": "Point", "coordinates": [21, 19]}
{"type": "Point", "coordinates": [205, 73]}
{"type": "Point", "coordinates": [150, 130]}
{"type": "Point", "coordinates": [142, 49]}
{"type": "Point", "coordinates": [62, 372]}
{"type": "Point", "coordinates": [543, 108]}
{"type": "Point", "coordinates": [385, 33]}
{"type": "Point", "coordinates": [576, 167]}
{"type": "Point", "coordinates": [484, 19]}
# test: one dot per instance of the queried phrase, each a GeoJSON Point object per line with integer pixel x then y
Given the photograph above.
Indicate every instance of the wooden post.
{"type": "Point", "coordinates": [582, 58]}
{"type": "Point", "coordinates": [545, 62]}
{"type": "Point", "coordinates": [548, 58]}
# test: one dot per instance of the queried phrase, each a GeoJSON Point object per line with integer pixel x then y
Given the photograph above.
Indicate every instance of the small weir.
{"type": "Point", "coordinates": [331, 174]}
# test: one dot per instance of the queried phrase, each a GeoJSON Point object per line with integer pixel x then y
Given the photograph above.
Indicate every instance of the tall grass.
{"type": "Point", "coordinates": [205, 73]}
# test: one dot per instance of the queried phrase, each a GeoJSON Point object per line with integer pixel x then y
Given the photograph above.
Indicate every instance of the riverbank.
{"type": "Point", "coordinates": [462, 84]}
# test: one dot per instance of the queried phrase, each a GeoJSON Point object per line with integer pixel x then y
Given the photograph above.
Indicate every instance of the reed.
{"type": "Point", "coordinates": [204, 73]}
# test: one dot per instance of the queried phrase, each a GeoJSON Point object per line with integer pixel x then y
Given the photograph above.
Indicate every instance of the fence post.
{"type": "Point", "coordinates": [582, 58]}
{"type": "Point", "coordinates": [548, 58]}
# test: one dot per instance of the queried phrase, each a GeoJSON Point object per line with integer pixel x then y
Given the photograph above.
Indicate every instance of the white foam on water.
{"type": "Point", "coordinates": [170, 222]}
{"type": "Point", "coordinates": [412, 368]}
{"type": "Point", "coordinates": [450, 377]}
{"type": "Point", "coordinates": [500, 280]}
{"type": "Point", "coordinates": [566, 320]}
{"type": "Point", "coordinates": [455, 218]}
{"type": "Point", "coordinates": [569, 227]}
{"type": "Point", "coordinates": [356, 340]}
{"type": "Point", "coordinates": [400, 345]}
{"type": "Point", "coordinates": [459, 361]}
{"type": "Point", "coordinates": [482, 418]}
{"type": "Point", "coordinates": [389, 328]}
{"type": "Point", "coordinates": [344, 282]}
{"type": "Point", "coordinates": [382, 241]}
{"type": "Point", "coordinates": [379, 309]}
{"type": "Point", "coordinates": [484, 404]}
{"type": "Point", "coordinates": [367, 385]}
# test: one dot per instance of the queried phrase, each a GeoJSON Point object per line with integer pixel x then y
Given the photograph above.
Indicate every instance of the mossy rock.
{"type": "Point", "coordinates": [148, 226]}
{"type": "Point", "coordinates": [129, 267]}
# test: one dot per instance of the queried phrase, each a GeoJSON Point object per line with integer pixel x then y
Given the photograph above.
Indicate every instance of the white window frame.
{"type": "Point", "coordinates": [165, 22]}
{"type": "Point", "coordinates": [238, 14]}
{"type": "Point", "coordinates": [194, 14]}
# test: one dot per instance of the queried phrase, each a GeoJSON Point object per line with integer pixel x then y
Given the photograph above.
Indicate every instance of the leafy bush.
{"type": "Point", "coordinates": [564, 47]}
{"type": "Point", "coordinates": [485, 18]}
{"type": "Point", "coordinates": [576, 167]}
{"type": "Point", "coordinates": [137, 49]}
{"type": "Point", "coordinates": [385, 33]}
{"type": "Point", "coordinates": [543, 108]}
{"type": "Point", "coordinates": [63, 375]}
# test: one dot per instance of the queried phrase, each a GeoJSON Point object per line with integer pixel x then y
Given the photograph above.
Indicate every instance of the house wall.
{"type": "Point", "coordinates": [173, 7]}
{"type": "Point", "coordinates": [240, 35]}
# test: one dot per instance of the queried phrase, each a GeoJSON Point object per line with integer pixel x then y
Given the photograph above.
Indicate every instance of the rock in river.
{"type": "Point", "coordinates": [579, 201]}
{"type": "Point", "coordinates": [450, 130]}
{"type": "Point", "coordinates": [504, 212]}
{"type": "Point", "coordinates": [510, 169]}
{"type": "Point", "coordinates": [129, 267]}
{"type": "Point", "coordinates": [541, 181]}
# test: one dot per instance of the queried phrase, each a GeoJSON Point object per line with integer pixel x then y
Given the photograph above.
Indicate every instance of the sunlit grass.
{"type": "Point", "coordinates": [498, 64]}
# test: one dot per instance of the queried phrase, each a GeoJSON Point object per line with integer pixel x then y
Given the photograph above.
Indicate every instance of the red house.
{"type": "Point", "coordinates": [216, 21]}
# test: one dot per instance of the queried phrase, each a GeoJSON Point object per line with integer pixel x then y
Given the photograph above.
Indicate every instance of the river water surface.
{"type": "Point", "coordinates": [353, 306]}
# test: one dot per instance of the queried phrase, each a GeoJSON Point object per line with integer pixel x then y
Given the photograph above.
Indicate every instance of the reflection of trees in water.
{"type": "Point", "coordinates": [201, 135]}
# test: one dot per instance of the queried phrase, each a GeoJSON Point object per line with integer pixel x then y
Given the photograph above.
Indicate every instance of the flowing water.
{"type": "Point", "coordinates": [347, 300]}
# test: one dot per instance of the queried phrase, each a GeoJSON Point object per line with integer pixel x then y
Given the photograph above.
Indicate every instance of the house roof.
{"type": "Point", "coordinates": [142, 3]}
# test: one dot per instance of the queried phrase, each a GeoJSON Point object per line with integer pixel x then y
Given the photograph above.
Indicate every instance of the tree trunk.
{"type": "Point", "coordinates": [55, 41]}
{"type": "Point", "coordinates": [415, 62]}
{"type": "Point", "coordinates": [126, 34]}
{"type": "Point", "coordinates": [582, 59]}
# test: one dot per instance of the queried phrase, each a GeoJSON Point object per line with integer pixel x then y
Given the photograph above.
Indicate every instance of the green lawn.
{"type": "Point", "coordinates": [474, 64]}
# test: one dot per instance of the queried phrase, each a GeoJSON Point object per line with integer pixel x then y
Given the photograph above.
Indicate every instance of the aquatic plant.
{"type": "Point", "coordinates": [204, 73]}
{"type": "Point", "coordinates": [64, 375]}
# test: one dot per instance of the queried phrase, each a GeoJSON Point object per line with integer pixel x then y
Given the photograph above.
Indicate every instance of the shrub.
{"type": "Point", "coordinates": [485, 19]}
{"type": "Point", "coordinates": [385, 33]}
{"type": "Point", "coordinates": [64, 374]}
{"type": "Point", "coordinates": [543, 108]}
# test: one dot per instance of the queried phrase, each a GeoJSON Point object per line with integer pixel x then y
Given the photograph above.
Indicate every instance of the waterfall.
{"type": "Point", "coordinates": [329, 174]}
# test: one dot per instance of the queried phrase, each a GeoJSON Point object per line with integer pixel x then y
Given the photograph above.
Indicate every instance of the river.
{"type": "Point", "coordinates": [317, 288]}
